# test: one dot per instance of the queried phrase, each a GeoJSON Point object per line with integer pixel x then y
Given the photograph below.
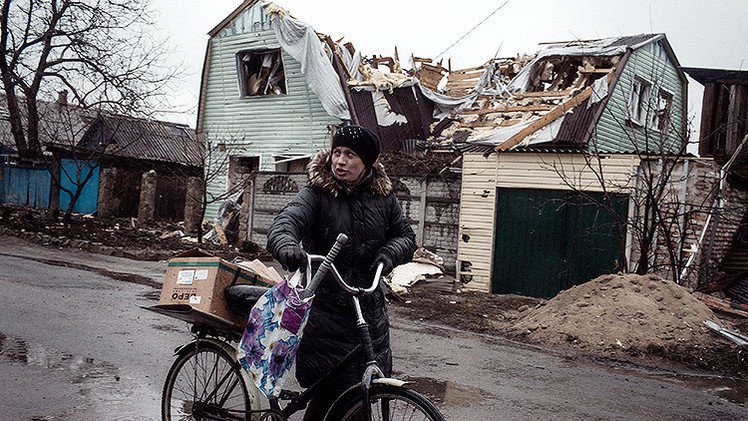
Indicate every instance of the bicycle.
{"type": "Point", "coordinates": [207, 382]}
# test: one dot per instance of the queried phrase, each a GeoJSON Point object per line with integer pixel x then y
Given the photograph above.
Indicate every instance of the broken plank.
{"type": "Point", "coordinates": [720, 305]}
{"type": "Point", "coordinates": [602, 71]}
{"type": "Point", "coordinates": [458, 76]}
{"type": "Point", "coordinates": [517, 108]}
{"type": "Point", "coordinates": [471, 69]}
{"type": "Point", "coordinates": [543, 121]}
{"type": "Point", "coordinates": [544, 94]}
{"type": "Point", "coordinates": [501, 123]}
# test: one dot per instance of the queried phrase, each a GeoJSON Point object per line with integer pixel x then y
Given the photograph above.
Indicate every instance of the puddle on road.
{"type": "Point", "coordinates": [79, 368]}
{"type": "Point", "coordinates": [733, 390]}
{"type": "Point", "coordinates": [98, 381]}
{"type": "Point", "coordinates": [449, 393]}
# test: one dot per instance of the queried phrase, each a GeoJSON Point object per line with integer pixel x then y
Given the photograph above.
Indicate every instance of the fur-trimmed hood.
{"type": "Point", "coordinates": [320, 175]}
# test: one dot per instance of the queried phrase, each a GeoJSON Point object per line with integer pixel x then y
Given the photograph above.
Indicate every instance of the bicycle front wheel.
{"type": "Point", "coordinates": [386, 402]}
{"type": "Point", "coordinates": [205, 383]}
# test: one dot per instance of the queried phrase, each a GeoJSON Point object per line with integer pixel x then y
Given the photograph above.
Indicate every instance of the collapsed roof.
{"type": "Point", "coordinates": [555, 97]}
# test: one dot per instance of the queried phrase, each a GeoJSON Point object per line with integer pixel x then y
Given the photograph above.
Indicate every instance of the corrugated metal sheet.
{"type": "Point", "coordinates": [577, 124]}
{"type": "Point", "coordinates": [633, 40]}
{"type": "Point", "coordinates": [477, 204]}
{"type": "Point", "coordinates": [613, 132]}
{"type": "Point", "coordinates": [704, 76]}
{"type": "Point", "coordinates": [417, 109]}
{"type": "Point", "coordinates": [264, 126]}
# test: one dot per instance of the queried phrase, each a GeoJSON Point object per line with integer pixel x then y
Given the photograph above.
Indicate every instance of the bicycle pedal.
{"type": "Point", "coordinates": [287, 395]}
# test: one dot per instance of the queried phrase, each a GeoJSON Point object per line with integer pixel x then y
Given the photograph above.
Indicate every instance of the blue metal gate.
{"type": "Point", "coordinates": [73, 174]}
{"type": "Point", "coordinates": [25, 186]}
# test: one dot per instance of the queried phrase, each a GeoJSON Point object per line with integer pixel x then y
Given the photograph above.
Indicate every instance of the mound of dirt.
{"type": "Point", "coordinates": [621, 312]}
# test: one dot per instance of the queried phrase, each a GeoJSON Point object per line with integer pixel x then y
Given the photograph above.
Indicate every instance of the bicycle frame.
{"type": "Point", "coordinates": [298, 401]}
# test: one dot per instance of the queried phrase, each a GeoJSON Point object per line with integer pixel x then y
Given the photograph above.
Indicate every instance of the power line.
{"type": "Point", "coordinates": [473, 28]}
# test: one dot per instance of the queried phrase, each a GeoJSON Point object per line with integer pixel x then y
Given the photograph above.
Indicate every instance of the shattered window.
{"type": "Point", "coordinates": [261, 73]}
{"type": "Point", "coordinates": [661, 116]}
{"type": "Point", "coordinates": [639, 100]}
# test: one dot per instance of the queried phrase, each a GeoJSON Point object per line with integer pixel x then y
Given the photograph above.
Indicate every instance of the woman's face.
{"type": "Point", "coordinates": [347, 165]}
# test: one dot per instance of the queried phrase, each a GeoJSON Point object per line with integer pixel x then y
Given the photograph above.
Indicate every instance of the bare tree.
{"type": "Point", "coordinates": [662, 222]}
{"type": "Point", "coordinates": [216, 166]}
{"type": "Point", "coordinates": [98, 50]}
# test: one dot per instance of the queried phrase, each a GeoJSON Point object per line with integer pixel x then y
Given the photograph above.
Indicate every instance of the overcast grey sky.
{"type": "Point", "coordinates": [703, 34]}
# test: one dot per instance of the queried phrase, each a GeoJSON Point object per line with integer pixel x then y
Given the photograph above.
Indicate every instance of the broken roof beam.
{"type": "Point", "coordinates": [539, 94]}
{"type": "Point", "coordinates": [510, 109]}
{"type": "Point", "coordinates": [499, 123]}
{"type": "Point", "coordinates": [548, 118]}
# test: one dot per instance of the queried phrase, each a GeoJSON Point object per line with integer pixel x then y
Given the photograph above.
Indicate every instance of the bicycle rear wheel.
{"type": "Point", "coordinates": [205, 383]}
{"type": "Point", "coordinates": [386, 402]}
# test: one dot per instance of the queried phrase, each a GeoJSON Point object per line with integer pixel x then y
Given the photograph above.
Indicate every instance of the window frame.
{"type": "Point", "coordinates": [641, 89]}
{"type": "Point", "coordinates": [657, 123]}
{"type": "Point", "coordinates": [244, 76]}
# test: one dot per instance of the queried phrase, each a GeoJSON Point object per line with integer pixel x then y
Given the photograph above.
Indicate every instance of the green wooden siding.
{"type": "Point", "coordinates": [262, 126]}
{"type": "Point", "coordinates": [549, 240]}
{"type": "Point", "coordinates": [614, 133]}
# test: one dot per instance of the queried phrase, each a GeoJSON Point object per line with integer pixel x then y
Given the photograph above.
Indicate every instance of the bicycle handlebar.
{"type": "Point", "coordinates": [328, 266]}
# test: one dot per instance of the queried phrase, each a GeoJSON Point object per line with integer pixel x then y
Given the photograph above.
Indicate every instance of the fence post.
{"type": "Point", "coordinates": [422, 212]}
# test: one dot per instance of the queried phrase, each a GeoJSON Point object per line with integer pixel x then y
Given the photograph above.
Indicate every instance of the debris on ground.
{"type": "Point", "coordinates": [405, 276]}
{"type": "Point", "coordinates": [620, 312]}
{"type": "Point", "coordinates": [631, 317]}
{"type": "Point", "coordinates": [426, 267]}
{"type": "Point", "coordinates": [725, 306]}
{"type": "Point", "coordinates": [157, 240]}
{"type": "Point", "coordinates": [736, 337]}
{"type": "Point", "coordinates": [635, 315]}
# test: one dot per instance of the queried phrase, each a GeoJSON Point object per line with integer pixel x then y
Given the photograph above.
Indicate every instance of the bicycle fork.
{"type": "Point", "coordinates": [372, 370]}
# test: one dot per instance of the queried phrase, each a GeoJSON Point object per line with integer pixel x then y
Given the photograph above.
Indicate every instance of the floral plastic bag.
{"type": "Point", "coordinates": [273, 333]}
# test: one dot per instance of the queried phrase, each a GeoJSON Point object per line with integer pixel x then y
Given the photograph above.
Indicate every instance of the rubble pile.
{"type": "Point", "coordinates": [119, 237]}
{"type": "Point", "coordinates": [621, 312]}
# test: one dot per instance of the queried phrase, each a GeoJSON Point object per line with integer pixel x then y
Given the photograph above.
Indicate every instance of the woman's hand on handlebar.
{"type": "Point", "coordinates": [386, 262]}
{"type": "Point", "coordinates": [292, 257]}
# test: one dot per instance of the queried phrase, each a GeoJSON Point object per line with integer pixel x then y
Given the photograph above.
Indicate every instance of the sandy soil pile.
{"type": "Point", "coordinates": [621, 312]}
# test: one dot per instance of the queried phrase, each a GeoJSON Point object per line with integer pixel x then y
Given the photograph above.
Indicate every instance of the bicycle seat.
{"type": "Point", "coordinates": [241, 298]}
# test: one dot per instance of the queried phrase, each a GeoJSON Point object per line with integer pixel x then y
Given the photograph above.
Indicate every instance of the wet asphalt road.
{"type": "Point", "coordinates": [74, 345]}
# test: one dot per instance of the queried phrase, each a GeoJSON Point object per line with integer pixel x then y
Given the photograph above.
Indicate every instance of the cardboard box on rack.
{"type": "Point", "coordinates": [197, 279]}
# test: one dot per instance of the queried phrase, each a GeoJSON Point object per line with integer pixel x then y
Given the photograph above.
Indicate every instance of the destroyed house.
{"type": "Point", "coordinates": [580, 116]}
{"type": "Point", "coordinates": [139, 168]}
{"type": "Point", "coordinates": [272, 90]}
{"type": "Point", "coordinates": [723, 135]}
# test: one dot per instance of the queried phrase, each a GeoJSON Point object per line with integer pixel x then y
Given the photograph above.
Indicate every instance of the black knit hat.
{"type": "Point", "coordinates": [362, 140]}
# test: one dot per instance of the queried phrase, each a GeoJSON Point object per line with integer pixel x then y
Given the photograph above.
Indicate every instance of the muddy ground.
{"type": "Point", "coordinates": [531, 320]}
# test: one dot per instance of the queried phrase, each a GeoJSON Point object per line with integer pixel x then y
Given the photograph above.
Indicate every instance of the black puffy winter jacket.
{"type": "Point", "coordinates": [370, 216]}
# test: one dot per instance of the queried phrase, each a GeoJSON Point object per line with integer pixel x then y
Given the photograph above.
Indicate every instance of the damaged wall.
{"type": "Point", "coordinates": [692, 183]}
{"type": "Point", "coordinates": [294, 123]}
{"type": "Point", "coordinates": [700, 179]}
{"type": "Point", "coordinates": [615, 132]}
{"type": "Point", "coordinates": [483, 175]}
{"type": "Point", "coordinates": [431, 206]}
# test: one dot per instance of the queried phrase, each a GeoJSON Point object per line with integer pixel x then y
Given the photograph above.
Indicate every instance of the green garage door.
{"type": "Point", "coordinates": [550, 240]}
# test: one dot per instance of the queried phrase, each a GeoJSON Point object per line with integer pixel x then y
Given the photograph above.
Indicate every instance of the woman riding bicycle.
{"type": "Point", "coordinates": [348, 192]}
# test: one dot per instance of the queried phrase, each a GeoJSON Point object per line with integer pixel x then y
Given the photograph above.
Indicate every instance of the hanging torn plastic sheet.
{"type": "Point", "coordinates": [274, 329]}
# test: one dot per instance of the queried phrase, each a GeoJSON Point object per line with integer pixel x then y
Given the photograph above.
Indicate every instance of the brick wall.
{"type": "Point", "coordinates": [695, 185]}
{"type": "Point", "coordinates": [431, 206]}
